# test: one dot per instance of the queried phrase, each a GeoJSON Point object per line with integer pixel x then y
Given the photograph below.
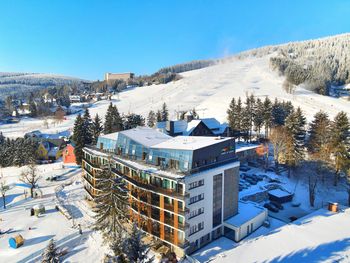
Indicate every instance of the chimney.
{"type": "Point", "coordinates": [170, 127]}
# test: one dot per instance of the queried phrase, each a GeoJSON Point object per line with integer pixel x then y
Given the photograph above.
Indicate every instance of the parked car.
{"type": "Point", "coordinates": [244, 168]}
{"type": "Point", "coordinates": [277, 204]}
{"type": "Point", "coordinates": [271, 207]}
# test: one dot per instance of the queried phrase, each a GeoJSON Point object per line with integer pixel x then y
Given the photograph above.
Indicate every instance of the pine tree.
{"type": "Point", "coordinates": [132, 121]}
{"type": "Point", "coordinates": [165, 112]}
{"type": "Point", "coordinates": [278, 114]}
{"type": "Point", "coordinates": [234, 116]}
{"type": "Point", "coordinates": [87, 128]}
{"type": "Point", "coordinates": [151, 119]}
{"type": "Point", "coordinates": [79, 138]}
{"type": "Point", "coordinates": [319, 137]}
{"type": "Point", "coordinates": [109, 120]}
{"type": "Point", "coordinates": [267, 116]}
{"type": "Point", "coordinates": [136, 250]}
{"type": "Point", "coordinates": [159, 116]}
{"type": "Point", "coordinates": [246, 123]}
{"type": "Point", "coordinates": [96, 128]}
{"type": "Point", "coordinates": [295, 139]}
{"type": "Point", "coordinates": [117, 120]}
{"type": "Point", "coordinates": [110, 206]}
{"type": "Point", "coordinates": [231, 115]}
{"type": "Point", "coordinates": [50, 254]}
{"type": "Point", "coordinates": [259, 116]}
{"type": "Point", "coordinates": [340, 144]}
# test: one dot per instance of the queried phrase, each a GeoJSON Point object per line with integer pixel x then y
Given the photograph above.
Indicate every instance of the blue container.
{"type": "Point", "coordinates": [16, 242]}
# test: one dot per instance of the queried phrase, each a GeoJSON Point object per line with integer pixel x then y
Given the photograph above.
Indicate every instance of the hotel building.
{"type": "Point", "coordinates": [181, 189]}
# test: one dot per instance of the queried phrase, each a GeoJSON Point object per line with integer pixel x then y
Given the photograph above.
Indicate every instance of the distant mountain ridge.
{"type": "Point", "coordinates": [18, 82]}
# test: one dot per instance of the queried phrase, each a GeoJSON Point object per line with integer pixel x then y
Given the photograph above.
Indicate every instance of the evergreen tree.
{"type": "Point", "coordinates": [110, 206]}
{"type": "Point", "coordinates": [151, 119]}
{"type": "Point", "coordinates": [319, 137]}
{"type": "Point", "coordinates": [109, 120]}
{"type": "Point", "coordinates": [259, 116]}
{"type": "Point", "coordinates": [267, 116]}
{"type": "Point", "coordinates": [96, 128]}
{"type": "Point", "coordinates": [79, 138]}
{"type": "Point", "coordinates": [132, 121]}
{"type": "Point", "coordinates": [278, 114]}
{"type": "Point", "coordinates": [159, 116]}
{"type": "Point", "coordinates": [340, 144]}
{"type": "Point", "coordinates": [295, 139]}
{"type": "Point", "coordinates": [88, 131]}
{"type": "Point", "coordinates": [117, 120]}
{"type": "Point", "coordinates": [234, 116]}
{"type": "Point", "coordinates": [246, 123]}
{"type": "Point", "coordinates": [136, 250]}
{"type": "Point", "coordinates": [50, 254]}
{"type": "Point", "coordinates": [165, 112]}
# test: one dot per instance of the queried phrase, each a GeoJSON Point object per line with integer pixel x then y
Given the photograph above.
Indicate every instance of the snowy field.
{"type": "Point", "coordinates": [37, 231]}
{"type": "Point", "coordinates": [209, 90]}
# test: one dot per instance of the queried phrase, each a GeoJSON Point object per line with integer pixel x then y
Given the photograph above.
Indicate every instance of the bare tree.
{"type": "Point", "coordinates": [3, 189]}
{"type": "Point", "coordinates": [278, 137]}
{"type": "Point", "coordinates": [31, 177]}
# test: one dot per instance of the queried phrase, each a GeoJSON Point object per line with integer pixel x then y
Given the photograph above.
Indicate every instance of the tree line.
{"type": "Point", "coordinates": [17, 152]}
{"type": "Point", "coordinates": [323, 143]}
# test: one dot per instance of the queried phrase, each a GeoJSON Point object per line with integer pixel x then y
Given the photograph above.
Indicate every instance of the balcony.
{"type": "Point", "coordinates": [148, 186]}
{"type": "Point", "coordinates": [169, 237]}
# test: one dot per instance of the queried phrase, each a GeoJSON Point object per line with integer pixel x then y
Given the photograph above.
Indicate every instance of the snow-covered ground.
{"type": "Point", "coordinates": [321, 237]}
{"type": "Point", "coordinates": [317, 236]}
{"type": "Point", "coordinates": [53, 224]}
{"type": "Point", "coordinates": [209, 90]}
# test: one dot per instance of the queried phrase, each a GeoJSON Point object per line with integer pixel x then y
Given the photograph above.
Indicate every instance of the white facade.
{"type": "Point", "coordinates": [207, 203]}
{"type": "Point", "coordinates": [250, 217]}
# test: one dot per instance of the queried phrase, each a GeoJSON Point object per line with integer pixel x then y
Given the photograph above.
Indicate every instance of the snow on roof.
{"type": "Point", "coordinates": [279, 193]}
{"type": "Point", "coordinates": [191, 126]}
{"type": "Point", "coordinates": [240, 147]}
{"type": "Point", "coordinates": [146, 136]}
{"type": "Point", "coordinates": [323, 236]}
{"type": "Point", "coordinates": [189, 142]}
{"type": "Point", "coordinates": [110, 136]}
{"type": "Point", "coordinates": [246, 212]}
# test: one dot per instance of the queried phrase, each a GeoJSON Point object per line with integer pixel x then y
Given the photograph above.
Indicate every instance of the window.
{"type": "Point", "coordinates": [196, 212]}
{"type": "Point", "coordinates": [196, 184]}
{"type": "Point", "coordinates": [196, 198]}
{"type": "Point", "coordinates": [196, 228]}
{"type": "Point", "coordinates": [217, 199]}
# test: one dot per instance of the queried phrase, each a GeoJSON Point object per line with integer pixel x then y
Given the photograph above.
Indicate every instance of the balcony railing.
{"type": "Point", "coordinates": [149, 186]}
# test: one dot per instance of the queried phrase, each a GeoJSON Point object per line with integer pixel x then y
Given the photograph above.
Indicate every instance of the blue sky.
{"type": "Point", "coordinates": [87, 38]}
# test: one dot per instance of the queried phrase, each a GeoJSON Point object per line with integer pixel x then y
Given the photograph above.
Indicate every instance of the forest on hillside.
{"type": "Point", "coordinates": [317, 64]}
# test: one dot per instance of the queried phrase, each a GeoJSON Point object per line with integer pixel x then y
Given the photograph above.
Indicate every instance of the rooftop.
{"type": "Point", "coordinates": [246, 212]}
{"type": "Point", "coordinates": [111, 136]}
{"type": "Point", "coordinates": [146, 136]}
{"type": "Point", "coordinates": [189, 142]}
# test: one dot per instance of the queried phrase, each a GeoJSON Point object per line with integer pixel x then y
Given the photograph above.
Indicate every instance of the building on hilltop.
{"type": "Point", "coordinates": [112, 77]}
{"type": "Point", "coordinates": [181, 189]}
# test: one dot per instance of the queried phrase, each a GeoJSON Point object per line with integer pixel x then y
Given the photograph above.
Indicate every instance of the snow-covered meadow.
{"type": "Point", "coordinates": [37, 231]}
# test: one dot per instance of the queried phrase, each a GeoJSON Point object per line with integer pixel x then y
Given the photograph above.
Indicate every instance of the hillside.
{"type": "Point", "coordinates": [16, 83]}
{"type": "Point", "coordinates": [209, 90]}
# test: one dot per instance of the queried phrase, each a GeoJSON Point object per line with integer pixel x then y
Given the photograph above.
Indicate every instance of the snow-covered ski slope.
{"type": "Point", "coordinates": [208, 90]}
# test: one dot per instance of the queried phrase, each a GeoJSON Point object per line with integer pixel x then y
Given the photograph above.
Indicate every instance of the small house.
{"type": "Point", "coordinates": [68, 154]}
{"type": "Point", "coordinates": [50, 149]}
